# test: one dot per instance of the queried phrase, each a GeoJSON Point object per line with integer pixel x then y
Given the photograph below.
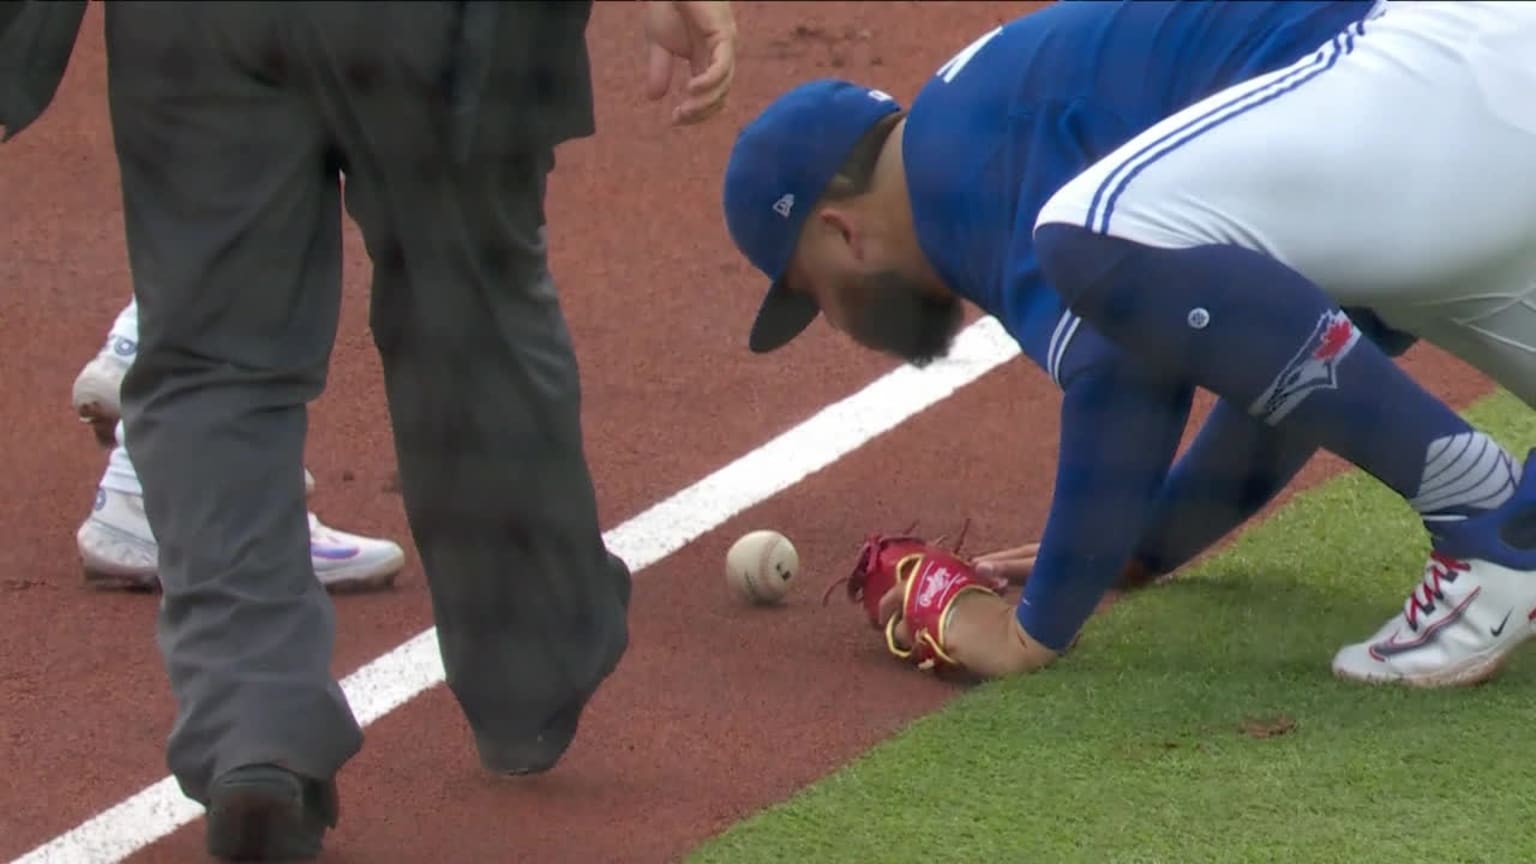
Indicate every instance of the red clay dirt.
{"type": "Point", "coordinates": [718, 710]}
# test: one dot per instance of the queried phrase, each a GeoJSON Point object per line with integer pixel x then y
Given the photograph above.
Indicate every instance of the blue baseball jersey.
{"type": "Point", "coordinates": [1003, 125]}
{"type": "Point", "coordinates": [1027, 106]}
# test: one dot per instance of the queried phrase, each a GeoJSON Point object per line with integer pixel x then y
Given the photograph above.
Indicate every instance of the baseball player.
{"type": "Point", "coordinates": [115, 542]}
{"type": "Point", "coordinates": [232, 124]}
{"type": "Point", "coordinates": [1210, 183]}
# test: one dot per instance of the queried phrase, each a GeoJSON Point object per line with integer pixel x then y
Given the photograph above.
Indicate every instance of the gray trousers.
{"type": "Point", "coordinates": [232, 122]}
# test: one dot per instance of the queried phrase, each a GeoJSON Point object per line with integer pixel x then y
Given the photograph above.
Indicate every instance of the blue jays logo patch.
{"type": "Point", "coordinates": [1314, 367]}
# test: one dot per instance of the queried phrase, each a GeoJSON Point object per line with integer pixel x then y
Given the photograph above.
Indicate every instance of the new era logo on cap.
{"type": "Point", "coordinates": [785, 205]}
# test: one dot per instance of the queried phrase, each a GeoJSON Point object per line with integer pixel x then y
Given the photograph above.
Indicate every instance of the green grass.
{"type": "Point", "coordinates": [1133, 749]}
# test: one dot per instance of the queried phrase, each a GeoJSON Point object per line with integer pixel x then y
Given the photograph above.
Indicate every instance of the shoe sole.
{"type": "Point", "coordinates": [116, 580]}
{"type": "Point", "coordinates": [259, 821]}
{"type": "Point", "coordinates": [362, 584]}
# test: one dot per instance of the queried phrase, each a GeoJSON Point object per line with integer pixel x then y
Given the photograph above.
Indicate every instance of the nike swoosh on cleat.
{"type": "Point", "coordinates": [332, 553]}
{"type": "Point", "coordinates": [1500, 629]}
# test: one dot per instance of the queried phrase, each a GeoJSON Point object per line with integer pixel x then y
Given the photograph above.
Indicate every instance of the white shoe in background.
{"type": "Point", "coordinates": [118, 549]}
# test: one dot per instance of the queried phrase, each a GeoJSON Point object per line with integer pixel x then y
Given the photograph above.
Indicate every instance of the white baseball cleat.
{"type": "Point", "coordinates": [1475, 604]}
{"type": "Point", "coordinates": [116, 545]}
{"type": "Point", "coordinates": [118, 549]}
{"type": "Point", "coordinates": [1457, 628]}
{"type": "Point", "coordinates": [352, 562]}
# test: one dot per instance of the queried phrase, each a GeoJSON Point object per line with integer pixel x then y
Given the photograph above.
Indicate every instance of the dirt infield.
{"type": "Point", "coordinates": [717, 710]}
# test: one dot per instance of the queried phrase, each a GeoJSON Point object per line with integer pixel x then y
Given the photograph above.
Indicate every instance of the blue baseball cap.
{"type": "Point", "coordinates": [779, 166]}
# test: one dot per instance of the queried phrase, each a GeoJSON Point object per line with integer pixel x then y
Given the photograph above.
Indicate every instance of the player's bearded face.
{"type": "Point", "coordinates": [888, 311]}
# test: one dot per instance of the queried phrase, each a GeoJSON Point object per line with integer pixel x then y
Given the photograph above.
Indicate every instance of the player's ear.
{"type": "Point", "coordinates": [840, 225]}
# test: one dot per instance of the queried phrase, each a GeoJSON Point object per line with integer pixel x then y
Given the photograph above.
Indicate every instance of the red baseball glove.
{"type": "Point", "coordinates": [930, 578]}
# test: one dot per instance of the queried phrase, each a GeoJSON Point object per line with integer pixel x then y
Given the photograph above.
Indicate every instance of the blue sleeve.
{"type": "Point", "coordinates": [1235, 466]}
{"type": "Point", "coordinates": [1120, 429]}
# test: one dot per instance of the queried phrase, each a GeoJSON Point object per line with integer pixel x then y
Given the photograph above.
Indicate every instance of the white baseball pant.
{"type": "Point", "coordinates": [1395, 167]}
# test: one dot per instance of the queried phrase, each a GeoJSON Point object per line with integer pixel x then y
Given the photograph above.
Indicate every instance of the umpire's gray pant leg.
{"type": "Point", "coordinates": [233, 229]}
{"type": "Point", "coordinates": [483, 391]}
{"type": "Point", "coordinates": [481, 379]}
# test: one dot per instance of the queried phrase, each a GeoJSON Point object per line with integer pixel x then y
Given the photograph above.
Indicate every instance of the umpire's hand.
{"type": "Point", "coordinates": [704, 34]}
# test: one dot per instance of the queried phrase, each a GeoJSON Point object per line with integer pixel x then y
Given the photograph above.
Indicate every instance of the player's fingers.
{"type": "Point", "coordinates": [1014, 571]}
{"type": "Point", "coordinates": [658, 73]}
{"type": "Point", "coordinates": [1007, 572]}
{"type": "Point", "coordinates": [1028, 550]}
{"type": "Point", "coordinates": [1008, 566]}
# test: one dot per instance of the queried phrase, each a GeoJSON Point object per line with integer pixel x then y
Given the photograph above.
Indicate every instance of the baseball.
{"type": "Point", "coordinates": [760, 566]}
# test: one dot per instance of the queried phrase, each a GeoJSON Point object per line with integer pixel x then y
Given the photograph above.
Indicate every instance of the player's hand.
{"type": "Point", "coordinates": [702, 33]}
{"type": "Point", "coordinates": [1015, 565]}
{"type": "Point", "coordinates": [1011, 565]}
{"type": "Point", "coordinates": [982, 635]}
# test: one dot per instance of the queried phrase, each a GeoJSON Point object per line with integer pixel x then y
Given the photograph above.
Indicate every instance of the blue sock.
{"type": "Point", "coordinates": [1254, 331]}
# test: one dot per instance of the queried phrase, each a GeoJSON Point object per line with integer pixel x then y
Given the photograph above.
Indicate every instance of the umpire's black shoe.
{"type": "Point", "coordinates": [268, 813]}
{"type": "Point", "coordinates": [540, 753]}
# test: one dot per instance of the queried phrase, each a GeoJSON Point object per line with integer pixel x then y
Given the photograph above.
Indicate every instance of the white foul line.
{"type": "Point", "coordinates": [415, 666]}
